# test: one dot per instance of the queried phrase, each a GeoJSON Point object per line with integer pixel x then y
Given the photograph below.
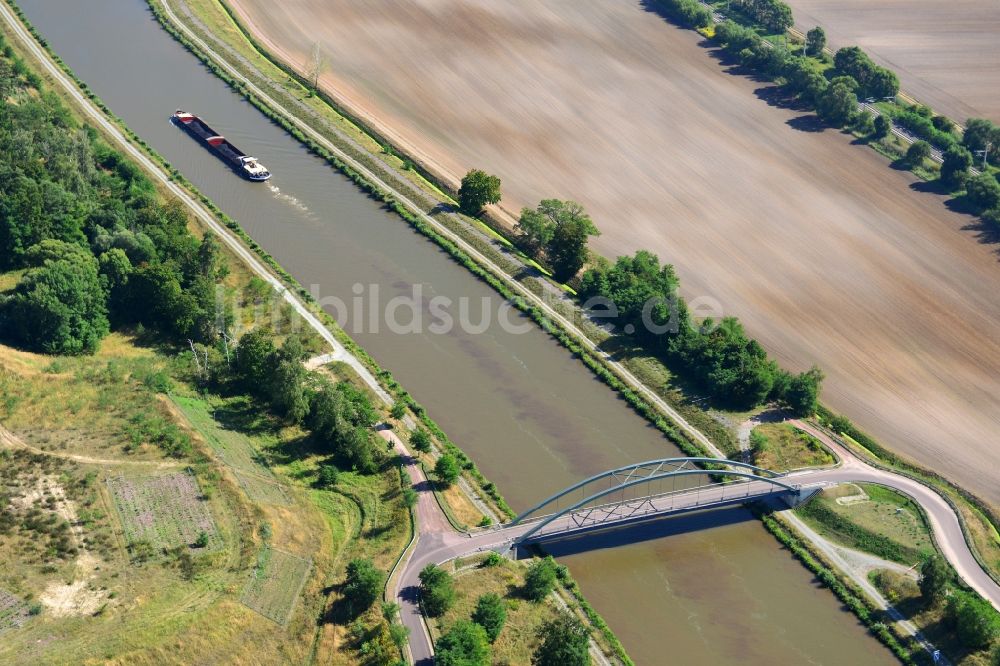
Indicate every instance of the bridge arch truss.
{"type": "Point", "coordinates": [650, 489]}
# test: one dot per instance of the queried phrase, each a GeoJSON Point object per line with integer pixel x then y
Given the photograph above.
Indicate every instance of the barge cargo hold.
{"type": "Point", "coordinates": [243, 164]}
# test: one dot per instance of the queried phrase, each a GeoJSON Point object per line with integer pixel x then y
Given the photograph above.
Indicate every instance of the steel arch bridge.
{"type": "Point", "coordinates": [649, 490]}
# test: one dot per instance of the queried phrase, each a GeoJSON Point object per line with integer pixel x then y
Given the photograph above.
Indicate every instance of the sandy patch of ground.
{"type": "Point", "coordinates": [946, 52]}
{"type": "Point", "coordinates": [75, 598]}
{"type": "Point", "coordinates": [825, 252]}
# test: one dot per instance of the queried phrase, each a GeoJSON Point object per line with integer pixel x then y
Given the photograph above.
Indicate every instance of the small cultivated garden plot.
{"type": "Point", "coordinates": [163, 511]}
{"type": "Point", "coordinates": [13, 612]}
{"type": "Point", "coordinates": [782, 447]}
{"type": "Point", "coordinates": [870, 518]}
{"type": "Point", "coordinates": [275, 584]}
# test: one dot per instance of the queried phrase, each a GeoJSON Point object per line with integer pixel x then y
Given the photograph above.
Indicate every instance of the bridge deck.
{"type": "Point", "coordinates": [616, 514]}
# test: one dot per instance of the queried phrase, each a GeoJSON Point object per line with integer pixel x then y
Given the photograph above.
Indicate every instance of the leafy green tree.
{"type": "Point", "coordinates": [975, 621]}
{"type": "Point", "coordinates": [934, 578]}
{"type": "Point", "coordinates": [478, 189]}
{"type": "Point", "coordinates": [535, 230]}
{"type": "Point", "coordinates": [328, 476]}
{"type": "Point", "coordinates": [437, 592]}
{"type": "Point", "coordinates": [540, 579]}
{"type": "Point", "coordinates": [564, 642]}
{"type": "Point", "coordinates": [567, 251]}
{"type": "Point", "coordinates": [815, 42]}
{"type": "Point", "coordinates": [881, 127]}
{"type": "Point", "coordinates": [955, 166]}
{"type": "Point", "coordinates": [421, 440]}
{"type": "Point", "coordinates": [837, 105]}
{"type": "Point", "coordinates": [983, 191]}
{"type": "Point", "coordinates": [287, 383]}
{"type": "Point", "coordinates": [465, 644]}
{"type": "Point", "coordinates": [802, 78]}
{"type": "Point", "coordinates": [917, 153]}
{"type": "Point", "coordinates": [490, 614]}
{"type": "Point", "coordinates": [59, 307]}
{"type": "Point", "coordinates": [446, 469]}
{"type": "Point", "coordinates": [802, 392]}
{"type": "Point", "coordinates": [255, 355]}
{"type": "Point", "coordinates": [979, 133]}
{"type": "Point", "coordinates": [363, 586]}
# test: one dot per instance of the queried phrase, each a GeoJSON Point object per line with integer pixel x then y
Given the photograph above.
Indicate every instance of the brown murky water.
{"type": "Point", "coordinates": [703, 589]}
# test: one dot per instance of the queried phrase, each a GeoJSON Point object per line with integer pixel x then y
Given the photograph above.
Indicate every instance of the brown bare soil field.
{"type": "Point", "coordinates": [826, 253]}
{"type": "Point", "coordinates": [946, 52]}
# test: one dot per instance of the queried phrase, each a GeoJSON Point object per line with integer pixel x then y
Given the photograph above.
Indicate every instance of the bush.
{"type": "Point", "coordinates": [955, 166]}
{"type": "Point", "coordinates": [881, 127]}
{"type": "Point", "coordinates": [565, 641]}
{"type": "Point", "coordinates": [328, 476]}
{"type": "Point", "coordinates": [420, 440]}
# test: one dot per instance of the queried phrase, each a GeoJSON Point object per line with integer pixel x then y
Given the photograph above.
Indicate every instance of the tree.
{"type": "Point", "coordinates": [567, 250]}
{"type": "Point", "coordinates": [363, 586]}
{"type": "Point", "coordinates": [421, 440]}
{"type": "Point", "coordinates": [254, 357]}
{"type": "Point", "coordinates": [917, 153]}
{"type": "Point", "coordinates": [979, 133]}
{"type": "Point", "coordinates": [478, 189]}
{"type": "Point", "coordinates": [934, 578]}
{"type": "Point", "coordinates": [881, 127]}
{"type": "Point", "coordinates": [437, 593]}
{"type": "Point", "coordinates": [535, 230]}
{"type": "Point", "coordinates": [465, 644]}
{"type": "Point", "coordinates": [490, 614]}
{"type": "Point", "coordinates": [815, 42]}
{"type": "Point", "coordinates": [540, 579]}
{"type": "Point", "coordinates": [803, 390]}
{"type": "Point", "coordinates": [975, 621]}
{"type": "Point", "coordinates": [983, 191]}
{"type": "Point", "coordinates": [955, 166]}
{"type": "Point", "coordinates": [287, 382]}
{"type": "Point", "coordinates": [837, 105]}
{"type": "Point", "coordinates": [564, 642]}
{"type": "Point", "coordinates": [446, 469]}
{"type": "Point", "coordinates": [328, 476]}
{"type": "Point", "coordinates": [59, 307]}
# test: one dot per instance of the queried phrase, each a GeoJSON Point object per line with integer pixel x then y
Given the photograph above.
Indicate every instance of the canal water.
{"type": "Point", "coordinates": [705, 589]}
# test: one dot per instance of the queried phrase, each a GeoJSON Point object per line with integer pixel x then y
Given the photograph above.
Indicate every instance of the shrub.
{"type": "Point", "coordinates": [565, 641]}
{"type": "Point", "coordinates": [363, 586]}
{"type": "Point", "coordinates": [975, 621]}
{"type": "Point", "coordinates": [328, 476]}
{"type": "Point", "coordinates": [420, 440]}
{"type": "Point", "coordinates": [465, 644]}
{"type": "Point", "coordinates": [881, 127]}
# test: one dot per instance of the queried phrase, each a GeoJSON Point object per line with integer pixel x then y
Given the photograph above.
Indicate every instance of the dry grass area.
{"type": "Point", "coordinates": [946, 53]}
{"type": "Point", "coordinates": [783, 447]}
{"type": "Point", "coordinates": [827, 254]}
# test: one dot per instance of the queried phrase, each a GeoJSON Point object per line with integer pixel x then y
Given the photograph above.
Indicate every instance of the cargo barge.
{"type": "Point", "coordinates": [243, 164]}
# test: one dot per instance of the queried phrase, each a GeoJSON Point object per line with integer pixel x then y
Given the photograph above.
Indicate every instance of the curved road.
{"type": "Point", "coordinates": [438, 542]}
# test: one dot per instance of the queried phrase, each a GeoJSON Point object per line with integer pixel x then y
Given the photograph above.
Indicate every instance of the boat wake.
{"type": "Point", "coordinates": [289, 199]}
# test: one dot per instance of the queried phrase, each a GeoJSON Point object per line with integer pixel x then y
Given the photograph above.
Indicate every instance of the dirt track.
{"type": "Point", "coordinates": [824, 251]}
{"type": "Point", "coordinates": [946, 52]}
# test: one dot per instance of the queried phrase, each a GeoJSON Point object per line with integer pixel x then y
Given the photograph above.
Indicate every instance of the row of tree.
{"type": "Point", "coordinates": [99, 248]}
{"type": "Point", "coordinates": [340, 416]}
{"type": "Point", "coordinates": [719, 356]}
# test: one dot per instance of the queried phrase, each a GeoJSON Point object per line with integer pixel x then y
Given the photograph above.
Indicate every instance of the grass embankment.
{"type": "Point", "coordinates": [872, 519]}
{"type": "Point", "coordinates": [518, 639]}
{"type": "Point", "coordinates": [782, 447]}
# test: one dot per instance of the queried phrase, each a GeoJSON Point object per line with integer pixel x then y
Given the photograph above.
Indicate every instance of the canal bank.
{"type": "Point", "coordinates": [324, 232]}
